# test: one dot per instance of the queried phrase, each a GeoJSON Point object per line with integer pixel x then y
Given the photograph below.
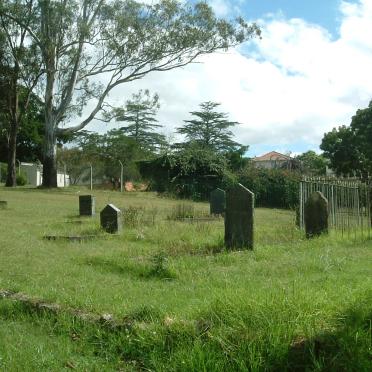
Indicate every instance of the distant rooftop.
{"type": "Point", "coordinates": [272, 155]}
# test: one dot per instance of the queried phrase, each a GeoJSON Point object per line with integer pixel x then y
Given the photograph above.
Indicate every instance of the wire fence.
{"type": "Point", "coordinates": [349, 203]}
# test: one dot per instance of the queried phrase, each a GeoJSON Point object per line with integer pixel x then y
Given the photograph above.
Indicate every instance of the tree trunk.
{"type": "Point", "coordinates": [11, 177]}
{"type": "Point", "coordinates": [50, 157]}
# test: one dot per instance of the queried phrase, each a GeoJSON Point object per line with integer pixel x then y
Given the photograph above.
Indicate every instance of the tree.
{"type": "Point", "coordinates": [82, 42]}
{"type": "Point", "coordinates": [210, 129]}
{"type": "Point", "coordinates": [139, 114]}
{"type": "Point", "coordinates": [105, 152]}
{"type": "Point", "coordinates": [191, 172]}
{"type": "Point", "coordinates": [341, 148]}
{"type": "Point", "coordinates": [20, 70]}
{"type": "Point", "coordinates": [312, 163]}
{"type": "Point", "coordinates": [361, 126]}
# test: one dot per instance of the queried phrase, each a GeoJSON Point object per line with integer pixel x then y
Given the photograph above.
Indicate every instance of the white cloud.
{"type": "Point", "coordinates": [297, 83]}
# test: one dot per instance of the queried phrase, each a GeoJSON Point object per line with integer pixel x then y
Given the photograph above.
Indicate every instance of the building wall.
{"type": "Point", "coordinates": [34, 175]}
{"type": "Point", "coordinates": [269, 164]}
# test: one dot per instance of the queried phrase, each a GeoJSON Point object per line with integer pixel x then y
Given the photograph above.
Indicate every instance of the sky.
{"type": "Point", "coordinates": [309, 73]}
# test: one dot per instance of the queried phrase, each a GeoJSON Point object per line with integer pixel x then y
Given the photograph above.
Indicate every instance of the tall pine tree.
{"type": "Point", "coordinates": [139, 114]}
{"type": "Point", "coordinates": [209, 129]}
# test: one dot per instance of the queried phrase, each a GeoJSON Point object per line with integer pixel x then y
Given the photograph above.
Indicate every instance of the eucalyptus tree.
{"type": "Point", "coordinates": [90, 47]}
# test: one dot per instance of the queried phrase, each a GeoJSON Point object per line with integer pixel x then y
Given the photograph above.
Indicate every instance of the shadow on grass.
{"type": "Point", "coordinates": [347, 348]}
{"type": "Point", "coordinates": [155, 269]}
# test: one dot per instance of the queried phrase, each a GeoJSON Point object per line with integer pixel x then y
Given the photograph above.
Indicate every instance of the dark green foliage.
{"type": "Point", "coordinates": [274, 188]}
{"type": "Point", "coordinates": [349, 148]}
{"type": "Point", "coordinates": [209, 129]}
{"type": "Point", "coordinates": [312, 163]}
{"type": "Point", "coordinates": [341, 149]}
{"type": "Point", "coordinates": [192, 172]}
{"type": "Point", "coordinates": [139, 114]}
{"type": "Point", "coordinates": [21, 179]}
{"type": "Point", "coordinates": [30, 133]}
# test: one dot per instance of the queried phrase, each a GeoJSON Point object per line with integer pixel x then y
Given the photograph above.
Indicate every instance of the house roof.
{"type": "Point", "coordinates": [272, 155]}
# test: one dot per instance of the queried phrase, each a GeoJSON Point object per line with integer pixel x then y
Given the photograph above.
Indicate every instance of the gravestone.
{"type": "Point", "coordinates": [111, 219]}
{"type": "Point", "coordinates": [3, 204]}
{"type": "Point", "coordinates": [239, 218]}
{"type": "Point", "coordinates": [217, 201]}
{"type": "Point", "coordinates": [87, 205]}
{"type": "Point", "coordinates": [316, 214]}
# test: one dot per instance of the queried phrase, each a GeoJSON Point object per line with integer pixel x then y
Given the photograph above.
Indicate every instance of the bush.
{"type": "Point", "coordinates": [21, 179]}
{"type": "Point", "coordinates": [273, 188]}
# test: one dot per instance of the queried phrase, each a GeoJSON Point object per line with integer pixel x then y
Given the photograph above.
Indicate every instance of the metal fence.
{"type": "Point", "coordinates": [349, 202]}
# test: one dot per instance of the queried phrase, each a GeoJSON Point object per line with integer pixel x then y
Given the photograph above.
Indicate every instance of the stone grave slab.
{"type": "Point", "coordinates": [217, 201]}
{"type": "Point", "coordinates": [239, 218]}
{"type": "Point", "coordinates": [87, 205]}
{"type": "Point", "coordinates": [316, 215]}
{"type": "Point", "coordinates": [111, 219]}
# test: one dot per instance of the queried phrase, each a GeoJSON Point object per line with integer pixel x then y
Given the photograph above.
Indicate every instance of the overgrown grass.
{"type": "Point", "coordinates": [186, 303]}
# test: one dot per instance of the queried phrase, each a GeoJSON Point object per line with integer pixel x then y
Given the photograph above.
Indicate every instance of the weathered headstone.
{"type": "Point", "coordinates": [217, 202]}
{"type": "Point", "coordinates": [87, 205]}
{"type": "Point", "coordinates": [316, 214]}
{"type": "Point", "coordinates": [239, 218]}
{"type": "Point", "coordinates": [3, 204]}
{"type": "Point", "coordinates": [111, 219]}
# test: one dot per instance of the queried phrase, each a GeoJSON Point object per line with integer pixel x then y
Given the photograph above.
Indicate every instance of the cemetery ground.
{"type": "Point", "coordinates": [177, 299]}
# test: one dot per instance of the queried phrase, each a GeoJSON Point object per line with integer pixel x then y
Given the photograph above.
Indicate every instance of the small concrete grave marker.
{"type": "Point", "coordinates": [239, 218]}
{"type": "Point", "coordinates": [217, 201]}
{"type": "Point", "coordinates": [111, 219]}
{"type": "Point", "coordinates": [87, 205]}
{"type": "Point", "coordinates": [316, 215]}
{"type": "Point", "coordinates": [3, 204]}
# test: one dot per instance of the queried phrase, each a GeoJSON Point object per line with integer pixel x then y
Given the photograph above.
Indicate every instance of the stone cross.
{"type": "Point", "coordinates": [239, 218]}
{"type": "Point", "coordinates": [316, 214]}
{"type": "Point", "coordinates": [111, 219]}
{"type": "Point", "coordinates": [217, 201]}
{"type": "Point", "coordinates": [87, 205]}
{"type": "Point", "coordinates": [3, 204]}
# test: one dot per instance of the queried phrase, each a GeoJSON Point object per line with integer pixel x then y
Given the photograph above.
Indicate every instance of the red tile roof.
{"type": "Point", "coordinates": [272, 155]}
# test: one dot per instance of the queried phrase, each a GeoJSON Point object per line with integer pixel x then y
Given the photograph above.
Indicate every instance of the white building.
{"type": "Point", "coordinates": [34, 174]}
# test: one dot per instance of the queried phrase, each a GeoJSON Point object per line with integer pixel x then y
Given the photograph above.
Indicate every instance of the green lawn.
{"type": "Point", "coordinates": [291, 304]}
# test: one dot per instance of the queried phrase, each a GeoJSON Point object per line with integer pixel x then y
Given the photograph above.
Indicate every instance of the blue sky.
{"type": "Point", "coordinates": [322, 12]}
{"type": "Point", "coordinates": [308, 74]}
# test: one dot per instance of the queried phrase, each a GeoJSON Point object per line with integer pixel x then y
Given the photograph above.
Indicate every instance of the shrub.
{"type": "Point", "coordinates": [274, 188]}
{"type": "Point", "coordinates": [21, 179]}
